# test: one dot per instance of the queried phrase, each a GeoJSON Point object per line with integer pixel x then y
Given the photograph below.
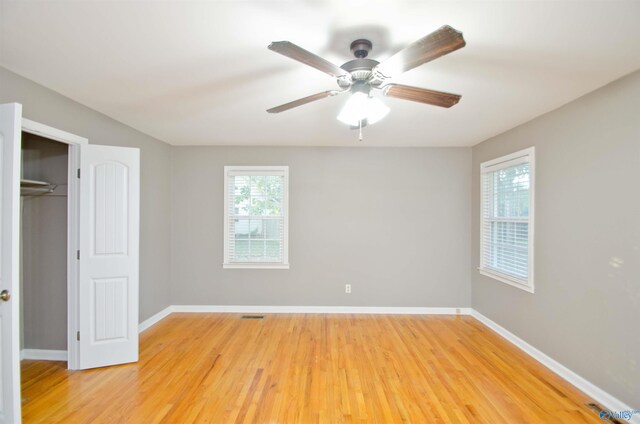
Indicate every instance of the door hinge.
{"type": "Point", "coordinates": [78, 254]}
{"type": "Point", "coordinates": [78, 336]}
{"type": "Point", "coordinates": [78, 172]}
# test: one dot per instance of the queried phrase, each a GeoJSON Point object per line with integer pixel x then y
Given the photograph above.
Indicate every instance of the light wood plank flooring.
{"type": "Point", "coordinates": [308, 368]}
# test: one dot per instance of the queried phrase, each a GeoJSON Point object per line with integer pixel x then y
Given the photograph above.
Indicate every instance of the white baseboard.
{"type": "Point", "coordinates": [44, 354]}
{"type": "Point", "coordinates": [154, 319]}
{"type": "Point", "coordinates": [256, 309]}
{"type": "Point", "coordinates": [596, 393]}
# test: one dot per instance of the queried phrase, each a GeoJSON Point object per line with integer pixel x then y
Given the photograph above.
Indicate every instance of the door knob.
{"type": "Point", "coordinates": [5, 295]}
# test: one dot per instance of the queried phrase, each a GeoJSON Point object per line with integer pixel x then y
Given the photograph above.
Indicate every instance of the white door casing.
{"type": "Point", "coordinates": [108, 255]}
{"type": "Point", "coordinates": [10, 134]}
{"type": "Point", "coordinates": [74, 142]}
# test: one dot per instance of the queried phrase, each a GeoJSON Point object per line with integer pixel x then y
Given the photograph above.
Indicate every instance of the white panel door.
{"type": "Point", "coordinates": [10, 132]}
{"type": "Point", "coordinates": [108, 240]}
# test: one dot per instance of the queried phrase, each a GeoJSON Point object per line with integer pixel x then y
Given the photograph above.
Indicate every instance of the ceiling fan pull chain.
{"type": "Point", "coordinates": [360, 135]}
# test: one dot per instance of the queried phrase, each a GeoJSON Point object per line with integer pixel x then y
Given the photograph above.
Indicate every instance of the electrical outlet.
{"type": "Point", "coordinates": [347, 288]}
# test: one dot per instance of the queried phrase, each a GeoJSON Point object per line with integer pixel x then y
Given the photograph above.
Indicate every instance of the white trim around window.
{"type": "Point", "coordinates": [250, 217]}
{"type": "Point", "coordinates": [506, 217]}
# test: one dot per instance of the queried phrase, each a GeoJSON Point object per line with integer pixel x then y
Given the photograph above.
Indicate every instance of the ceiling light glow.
{"type": "Point", "coordinates": [376, 110]}
{"type": "Point", "coordinates": [361, 107]}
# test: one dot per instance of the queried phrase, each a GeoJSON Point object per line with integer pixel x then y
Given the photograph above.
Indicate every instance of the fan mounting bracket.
{"type": "Point", "coordinates": [361, 48]}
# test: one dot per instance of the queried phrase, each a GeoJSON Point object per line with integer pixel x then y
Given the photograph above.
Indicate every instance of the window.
{"type": "Point", "coordinates": [506, 232]}
{"type": "Point", "coordinates": [256, 217]}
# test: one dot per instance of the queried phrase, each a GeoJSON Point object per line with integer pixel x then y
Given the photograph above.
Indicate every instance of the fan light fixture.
{"type": "Point", "coordinates": [360, 107]}
{"type": "Point", "coordinates": [362, 75]}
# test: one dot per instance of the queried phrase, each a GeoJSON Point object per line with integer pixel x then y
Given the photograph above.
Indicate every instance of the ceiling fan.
{"type": "Point", "coordinates": [361, 76]}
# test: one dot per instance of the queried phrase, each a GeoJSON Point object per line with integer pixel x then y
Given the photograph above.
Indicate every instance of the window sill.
{"type": "Point", "coordinates": [506, 279]}
{"type": "Point", "coordinates": [254, 266]}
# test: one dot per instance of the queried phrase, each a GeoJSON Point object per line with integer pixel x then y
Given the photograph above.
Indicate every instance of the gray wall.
{"type": "Point", "coordinates": [50, 108]}
{"type": "Point", "coordinates": [586, 308]}
{"type": "Point", "coordinates": [392, 222]}
{"type": "Point", "coordinates": [44, 243]}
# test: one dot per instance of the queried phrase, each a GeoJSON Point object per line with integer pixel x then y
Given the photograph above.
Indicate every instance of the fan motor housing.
{"type": "Point", "coordinates": [360, 70]}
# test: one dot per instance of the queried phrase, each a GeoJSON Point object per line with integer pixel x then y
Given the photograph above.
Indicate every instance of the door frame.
{"type": "Point", "coordinates": [73, 223]}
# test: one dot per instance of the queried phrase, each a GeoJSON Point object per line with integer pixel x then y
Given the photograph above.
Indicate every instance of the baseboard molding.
{"type": "Point", "coordinates": [44, 354]}
{"type": "Point", "coordinates": [147, 323]}
{"type": "Point", "coordinates": [596, 393]}
{"type": "Point", "coordinates": [256, 309]}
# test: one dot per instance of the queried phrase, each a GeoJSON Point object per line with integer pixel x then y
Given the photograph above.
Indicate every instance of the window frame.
{"type": "Point", "coordinates": [522, 156]}
{"type": "Point", "coordinates": [285, 205]}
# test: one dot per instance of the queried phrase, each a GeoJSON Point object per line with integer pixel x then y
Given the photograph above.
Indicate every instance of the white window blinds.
{"type": "Point", "coordinates": [256, 217]}
{"type": "Point", "coordinates": [506, 248]}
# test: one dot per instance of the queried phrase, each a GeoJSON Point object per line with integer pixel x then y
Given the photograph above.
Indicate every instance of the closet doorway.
{"type": "Point", "coordinates": [43, 243]}
{"type": "Point", "coordinates": [49, 206]}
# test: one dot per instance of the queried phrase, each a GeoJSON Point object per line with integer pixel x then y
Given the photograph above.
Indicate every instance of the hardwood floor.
{"type": "Point", "coordinates": [307, 368]}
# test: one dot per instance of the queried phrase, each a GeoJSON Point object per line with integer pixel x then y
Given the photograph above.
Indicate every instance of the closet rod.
{"type": "Point", "coordinates": [36, 188]}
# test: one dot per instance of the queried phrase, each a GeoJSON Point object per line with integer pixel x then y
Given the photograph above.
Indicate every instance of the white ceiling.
{"type": "Point", "coordinates": [196, 73]}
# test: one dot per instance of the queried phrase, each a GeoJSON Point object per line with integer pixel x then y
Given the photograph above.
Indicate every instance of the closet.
{"type": "Point", "coordinates": [69, 251]}
{"type": "Point", "coordinates": [43, 240]}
